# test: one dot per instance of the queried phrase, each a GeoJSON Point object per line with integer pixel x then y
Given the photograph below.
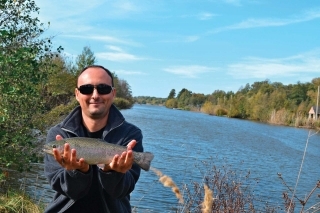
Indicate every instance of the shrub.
{"type": "Point", "coordinates": [122, 103]}
{"type": "Point", "coordinates": [221, 112]}
{"type": "Point", "coordinates": [171, 103]}
{"type": "Point", "coordinates": [208, 108]}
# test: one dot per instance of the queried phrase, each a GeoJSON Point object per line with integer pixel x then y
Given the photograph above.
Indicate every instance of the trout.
{"type": "Point", "coordinates": [97, 151]}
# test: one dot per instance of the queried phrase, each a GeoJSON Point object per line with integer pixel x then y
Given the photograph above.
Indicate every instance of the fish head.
{"type": "Point", "coordinates": [59, 145]}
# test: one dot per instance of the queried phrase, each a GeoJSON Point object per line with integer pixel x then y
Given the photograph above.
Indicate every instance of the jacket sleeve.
{"type": "Point", "coordinates": [73, 184]}
{"type": "Point", "coordinates": [119, 185]}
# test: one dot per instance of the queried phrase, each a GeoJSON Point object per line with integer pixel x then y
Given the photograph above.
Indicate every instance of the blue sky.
{"type": "Point", "coordinates": [203, 45]}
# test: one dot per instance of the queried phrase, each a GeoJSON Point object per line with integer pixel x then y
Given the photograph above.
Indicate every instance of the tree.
{"type": "Point", "coordinates": [172, 94]}
{"type": "Point", "coordinates": [22, 54]}
{"type": "Point", "coordinates": [60, 85]}
{"type": "Point", "coordinates": [123, 89]}
{"type": "Point", "coordinates": [197, 100]}
{"type": "Point", "coordinates": [244, 90]}
{"type": "Point", "coordinates": [316, 82]}
{"type": "Point", "coordinates": [124, 99]}
{"type": "Point", "coordinates": [171, 103]}
{"type": "Point", "coordinates": [298, 92]}
{"type": "Point", "coordinates": [184, 98]}
{"type": "Point", "coordinates": [86, 58]}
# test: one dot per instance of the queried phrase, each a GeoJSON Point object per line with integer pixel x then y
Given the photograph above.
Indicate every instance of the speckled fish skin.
{"type": "Point", "coordinates": [97, 151]}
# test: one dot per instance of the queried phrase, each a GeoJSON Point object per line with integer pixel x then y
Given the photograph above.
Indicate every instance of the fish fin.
{"type": "Point", "coordinates": [145, 161]}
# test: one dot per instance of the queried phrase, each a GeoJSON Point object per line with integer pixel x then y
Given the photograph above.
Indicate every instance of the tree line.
{"type": "Point", "coordinates": [264, 101]}
{"type": "Point", "coordinates": [37, 82]}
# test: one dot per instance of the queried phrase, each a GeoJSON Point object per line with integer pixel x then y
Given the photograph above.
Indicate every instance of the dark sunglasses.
{"type": "Point", "coordinates": [102, 89]}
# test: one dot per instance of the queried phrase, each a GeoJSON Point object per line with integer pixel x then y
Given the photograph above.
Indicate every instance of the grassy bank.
{"type": "Point", "coordinates": [18, 202]}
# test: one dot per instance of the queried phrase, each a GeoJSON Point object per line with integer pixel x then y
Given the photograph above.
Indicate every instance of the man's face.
{"type": "Point", "coordinates": [95, 105]}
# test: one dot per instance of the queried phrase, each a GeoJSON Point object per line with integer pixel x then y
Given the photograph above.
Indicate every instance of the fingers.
{"type": "Point", "coordinates": [121, 163]}
{"type": "Point", "coordinates": [57, 156]}
{"type": "Point", "coordinates": [131, 144]}
{"type": "Point", "coordinates": [66, 152]}
{"type": "Point", "coordinates": [58, 137]}
{"type": "Point", "coordinates": [69, 159]}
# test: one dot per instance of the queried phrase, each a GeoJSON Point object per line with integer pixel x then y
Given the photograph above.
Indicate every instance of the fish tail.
{"type": "Point", "coordinates": [144, 160]}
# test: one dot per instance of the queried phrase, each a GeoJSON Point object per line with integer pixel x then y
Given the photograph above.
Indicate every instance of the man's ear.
{"type": "Point", "coordinates": [114, 92]}
{"type": "Point", "coordinates": [76, 93]}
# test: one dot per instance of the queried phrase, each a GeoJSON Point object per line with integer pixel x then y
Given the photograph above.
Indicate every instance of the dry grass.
{"type": "Point", "coordinates": [221, 190]}
{"type": "Point", "coordinates": [208, 200]}
{"type": "Point", "coordinates": [15, 202]}
{"type": "Point", "coordinates": [168, 182]}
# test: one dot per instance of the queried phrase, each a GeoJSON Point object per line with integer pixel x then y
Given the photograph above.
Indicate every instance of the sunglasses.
{"type": "Point", "coordinates": [102, 89]}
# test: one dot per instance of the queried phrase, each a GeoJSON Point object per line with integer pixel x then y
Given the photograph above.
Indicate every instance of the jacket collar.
{"type": "Point", "coordinates": [73, 122]}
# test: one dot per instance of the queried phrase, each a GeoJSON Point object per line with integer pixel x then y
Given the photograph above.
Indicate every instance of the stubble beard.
{"type": "Point", "coordinates": [97, 114]}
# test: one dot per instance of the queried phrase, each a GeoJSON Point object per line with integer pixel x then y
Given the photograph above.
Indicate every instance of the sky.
{"type": "Point", "coordinates": [202, 46]}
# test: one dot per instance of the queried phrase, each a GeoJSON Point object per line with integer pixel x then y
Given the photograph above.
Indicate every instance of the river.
{"type": "Point", "coordinates": [183, 142]}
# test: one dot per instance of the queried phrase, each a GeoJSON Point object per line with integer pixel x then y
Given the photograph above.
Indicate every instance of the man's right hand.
{"type": "Point", "coordinates": [69, 158]}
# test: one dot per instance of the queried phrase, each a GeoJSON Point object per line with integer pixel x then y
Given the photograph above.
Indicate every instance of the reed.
{"type": "Point", "coordinates": [208, 200]}
{"type": "Point", "coordinates": [168, 182]}
{"type": "Point", "coordinates": [221, 190]}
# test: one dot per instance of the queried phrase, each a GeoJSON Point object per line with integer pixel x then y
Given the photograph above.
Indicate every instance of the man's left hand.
{"type": "Point", "coordinates": [123, 162]}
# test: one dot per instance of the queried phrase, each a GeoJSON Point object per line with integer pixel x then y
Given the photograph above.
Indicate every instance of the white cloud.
{"type": "Point", "coordinates": [263, 68]}
{"type": "Point", "coordinates": [126, 6]}
{"type": "Point", "coordinates": [117, 54]}
{"type": "Point", "coordinates": [191, 71]}
{"type": "Point", "coordinates": [127, 72]}
{"type": "Point", "coordinates": [191, 38]}
{"type": "Point", "coordinates": [106, 39]}
{"type": "Point", "coordinates": [66, 9]}
{"type": "Point", "coordinates": [115, 48]}
{"type": "Point", "coordinates": [271, 22]}
{"type": "Point", "coordinates": [114, 56]}
{"type": "Point", "coordinates": [205, 16]}
{"type": "Point", "coordinates": [182, 39]}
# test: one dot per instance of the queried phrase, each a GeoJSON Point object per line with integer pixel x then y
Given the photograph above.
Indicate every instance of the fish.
{"type": "Point", "coordinates": [97, 151]}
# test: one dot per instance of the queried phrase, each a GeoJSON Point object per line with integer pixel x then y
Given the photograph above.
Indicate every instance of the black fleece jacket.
{"type": "Point", "coordinates": [94, 191]}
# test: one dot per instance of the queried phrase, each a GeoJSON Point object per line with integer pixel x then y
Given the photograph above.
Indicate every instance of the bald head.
{"type": "Point", "coordinates": [97, 66]}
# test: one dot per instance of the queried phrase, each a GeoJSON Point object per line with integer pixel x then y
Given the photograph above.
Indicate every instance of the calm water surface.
{"type": "Point", "coordinates": [182, 140]}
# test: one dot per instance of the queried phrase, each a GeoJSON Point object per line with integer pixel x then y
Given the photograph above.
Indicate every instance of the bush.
{"type": "Point", "coordinates": [171, 103]}
{"type": "Point", "coordinates": [208, 108]}
{"type": "Point", "coordinates": [122, 103]}
{"type": "Point", "coordinates": [42, 122]}
{"type": "Point", "coordinates": [221, 112]}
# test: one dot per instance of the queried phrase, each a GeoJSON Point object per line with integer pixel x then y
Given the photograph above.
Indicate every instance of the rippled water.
{"type": "Point", "coordinates": [182, 140]}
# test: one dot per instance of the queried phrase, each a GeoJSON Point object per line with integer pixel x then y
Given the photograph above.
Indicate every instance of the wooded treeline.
{"type": "Point", "coordinates": [263, 101]}
{"type": "Point", "coordinates": [37, 83]}
{"type": "Point", "coordinates": [149, 100]}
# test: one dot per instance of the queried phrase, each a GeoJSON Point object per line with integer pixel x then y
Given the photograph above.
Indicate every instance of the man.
{"type": "Point", "coordinates": [87, 188]}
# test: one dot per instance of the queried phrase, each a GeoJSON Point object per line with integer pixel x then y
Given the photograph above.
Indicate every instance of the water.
{"type": "Point", "coordinates": [181, 141]}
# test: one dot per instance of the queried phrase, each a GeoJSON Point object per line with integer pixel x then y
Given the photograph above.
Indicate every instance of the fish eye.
{"type": "Point", "coordinates": [54, 146]}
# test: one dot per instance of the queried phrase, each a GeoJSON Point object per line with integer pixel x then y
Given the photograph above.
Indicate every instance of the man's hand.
{"type": "Point", "coordinates": [123, 162]}
{"type": "Point", "coordinates": [69, 159]}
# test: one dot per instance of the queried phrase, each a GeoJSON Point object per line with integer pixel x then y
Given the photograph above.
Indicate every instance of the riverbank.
{"type": "Point", "coordinates": [19, 202]}
{"type": "Point", "coordinates": [275, 118]}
